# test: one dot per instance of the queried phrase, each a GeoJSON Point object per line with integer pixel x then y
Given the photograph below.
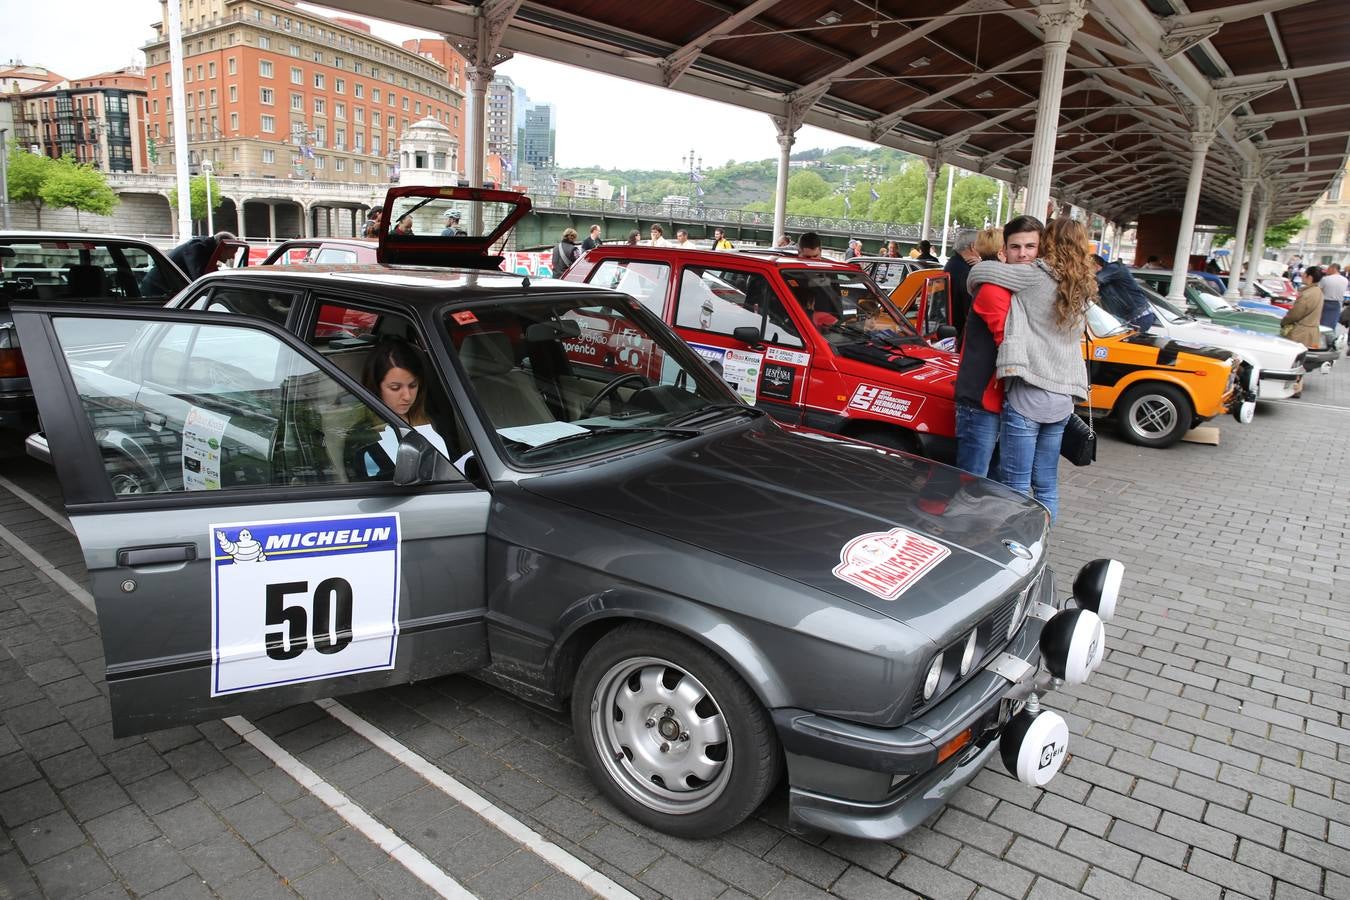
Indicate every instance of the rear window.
{"type": "Point", "coordinates": [84, 270]}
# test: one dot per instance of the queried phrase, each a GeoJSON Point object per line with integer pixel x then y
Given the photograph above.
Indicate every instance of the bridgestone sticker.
{"type": "Point", "coordinates": [888, 563]}
{"type": "Point", "coordinates": [302, 599]}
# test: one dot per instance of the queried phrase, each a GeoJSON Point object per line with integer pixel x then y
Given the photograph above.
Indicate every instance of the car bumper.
{"type": "Point", "coordinates": [17, 405]}
{"type": "Point", "coordinates": [1316, 358]}
{"type": "Point", "coordinates": [1280, 385]}
{"type": "Point", "coordinates": [879, 783]}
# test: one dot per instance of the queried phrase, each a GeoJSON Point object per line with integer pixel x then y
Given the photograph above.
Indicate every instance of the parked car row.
{"type": "Point", "coordinates": [581, 511]}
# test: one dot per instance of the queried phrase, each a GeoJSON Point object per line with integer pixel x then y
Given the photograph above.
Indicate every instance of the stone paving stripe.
{"type": "Point", "coordinates": [518, 831]}
{"type": "Point", "coordinates": [46, 568]}
{"type": "Point", "coordinates": [1306, 404]}
{"type": "Point", "coordinates": [381, 836]}
{"type": "Point", "coordinates": [36, 503]}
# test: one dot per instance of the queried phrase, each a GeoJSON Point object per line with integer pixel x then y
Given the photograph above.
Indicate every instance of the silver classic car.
{"type": "Point", "coordinates": [573, 506]}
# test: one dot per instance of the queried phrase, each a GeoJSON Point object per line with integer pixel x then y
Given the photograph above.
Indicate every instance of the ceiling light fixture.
{"type": "Point", "coordinates": [920, 62]}
{"type": "Point", "coordinates": [984, 95]}
{"type": "Point", "coordinates": [830, 18]}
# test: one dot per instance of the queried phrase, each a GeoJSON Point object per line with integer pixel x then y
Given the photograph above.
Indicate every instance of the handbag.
{"type": "Point", "coordinates": [1079, 444]}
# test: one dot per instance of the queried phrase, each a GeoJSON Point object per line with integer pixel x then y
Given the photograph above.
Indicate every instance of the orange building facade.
{"type": "Point", "coordinates": [274, 91]}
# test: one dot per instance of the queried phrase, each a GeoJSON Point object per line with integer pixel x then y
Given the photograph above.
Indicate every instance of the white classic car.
{"type": "Point", "coordinates": [1279, 362]}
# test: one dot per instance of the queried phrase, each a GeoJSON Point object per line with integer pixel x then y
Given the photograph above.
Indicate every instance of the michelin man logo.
{"type": "Point", "coordinates": [246, 549]}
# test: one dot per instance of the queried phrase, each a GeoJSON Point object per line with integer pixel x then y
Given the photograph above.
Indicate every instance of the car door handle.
{"type": "Point", "coordinates": [150, 556]}
{"type": "Point", "coordinates": [155, 420]}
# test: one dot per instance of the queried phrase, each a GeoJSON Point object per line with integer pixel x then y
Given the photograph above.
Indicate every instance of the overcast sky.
{"type": "Point", "coordinates": [601, 120]}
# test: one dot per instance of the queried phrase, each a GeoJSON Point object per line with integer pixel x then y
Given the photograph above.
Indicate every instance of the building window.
{"type": "Point", "coordinates": [375, 95]}
{"type": "Point", "coordinates": [356, 66]}
{"type": "Point", "coordinates": [264, 42]}
{"type": "Point", "coordinates": [392, 98]}
{"type": "Point", "coordinates": [1334, 189]}
{"type": "Point", "coordinates": [340, 164]}
{"type": "Point", "coordinates": [318, 56]}
{"type": "Point", "coordinates": [320, 162]}
{"type": "Point", "coordinates": [234, 154]}
{"type": "Point", "coordinates": [189, 100]}
{"type": "Point", "coordinates": [360, 115]}
{"type": "Point", "coordinates": [390, 123]}
{"type": "Point", "coordinates": [357, 168]}
{"type": "Point", "coordinates": [405, 103]}
{"type": "Point", "coordinates": [321, 135]}
{"type": "Point", "coordinates": [1325, 231]}
{"type": "Point", "coordinates": [234, 93]}
{"type": "Point", "coordinates": [417, 108]}
{"type": "Point", "coordinates": [318, 81]}
{"type": "Point", "coordinates": [297, 75]}
{"type": "Point", "coordinates": [358, 90]}
{"type": "Point", "coordinates": [199, 68]}
{"type": "Point", "coordinates": [337, 62]}
{"type": "Point", "coordinates": [269, 156]}
{"type": "Point", "coordinates": [339, 110]}
{"type": "Point", "coordinates": [295, 50]}
{"type": "Point", "coordinates": [269, 124]}
{"type": "Point", "coordinates": [265, 68]}
{"type": "Point", "coordinates": [340, 85]}
{"type": "Point", "coordinates": [339, 139]}
{"type": "Point", "coordinates": [155, 106]}
{"type": "Point", "coordinates": [320, 106]}
{"type": "Point", "coordinates": [154, 82]}
{"type": "Point", "coordinates": [234, 122]}
{"type": "Point", "coordinates": [298, 102]}
{"type": "Point", "coordinates": [267, 96]}
{"type": "Point", "coordinates": [188, 72]}
{"type": "Point", "coordinates": [211, 69]}
{"type": "Point", "coordinates": [230, 65]}
{"type": "Point", "coordinates": [213, 96]}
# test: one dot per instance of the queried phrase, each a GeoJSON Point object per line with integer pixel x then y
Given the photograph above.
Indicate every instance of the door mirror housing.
{"type": "Point", "coordinates": [419, 463]}
{"type": "Point", "coordinates": [748, 334]}
{"type": "Point", "coordinates": [946, 331]}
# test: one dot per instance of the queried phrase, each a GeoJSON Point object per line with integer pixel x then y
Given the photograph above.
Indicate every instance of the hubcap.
{"type": "Point", "coordinates": [661, 735]}
{"type": "Point", "coordinates": [1154, 415]}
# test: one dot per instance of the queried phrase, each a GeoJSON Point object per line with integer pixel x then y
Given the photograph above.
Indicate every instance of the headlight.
{"type": "Point", "coordinates": [968, 654]}
{"type": "Point", "coordinates": [930, 683]}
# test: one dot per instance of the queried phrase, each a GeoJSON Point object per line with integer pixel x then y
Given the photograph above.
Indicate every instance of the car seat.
{"type": "Point", "coordinates": [507, 392]}
{"type": "Point", "coordinates": [86, 281]}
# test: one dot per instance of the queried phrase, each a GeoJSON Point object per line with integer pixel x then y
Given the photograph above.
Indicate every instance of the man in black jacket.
{"type": "Point", "coordinates": [193, 256]}
{"type": "Point", "coordinates": [1122, 296]}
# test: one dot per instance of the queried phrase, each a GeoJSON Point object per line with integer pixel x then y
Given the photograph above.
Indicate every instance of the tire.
{"type": "Point", "coordinates": [642, 688]}
{"type": "Point", "coordinates": [1155, 414]}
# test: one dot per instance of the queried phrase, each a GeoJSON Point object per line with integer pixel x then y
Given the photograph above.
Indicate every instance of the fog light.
{"type": "Point", "coordinates": [1073, 644]}
{"type": "Point", "coordinates": [1034, 746]}
{"type": "Point", "coordinates": [1097, 586]}
{"type": "Point", "coordinates": [1246, 412]}
{"type": "Point", "coordinates": [968, 654]}
{"type": "Point", "coordinates": [930, 683]}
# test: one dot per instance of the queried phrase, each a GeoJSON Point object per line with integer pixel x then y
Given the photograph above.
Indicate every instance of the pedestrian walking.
{"type": "Point", "coordinates": [566, 252]}
{"type": "Point", "coordinates": [593, 239]}
{"type": "Point", "coordinates": [720, 241]}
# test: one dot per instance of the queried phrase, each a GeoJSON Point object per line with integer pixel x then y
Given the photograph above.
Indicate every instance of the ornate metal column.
{"type": "Point", "coordinates": [1201, 138]}
{"type": "Point", "coordinates": [1059, 21]}
{"type": "Point", "coordinates": [1238, 255]}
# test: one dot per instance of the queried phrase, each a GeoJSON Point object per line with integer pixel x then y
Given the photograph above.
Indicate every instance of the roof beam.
{"type": "Point", "coordinates": [886, 122]}
{"type": "Point", "coordinates": [1185, 30]}
{"type": "Point", "coordinates": [678, 62]}
{"type": "Point", "coordinates": [1278, 76]}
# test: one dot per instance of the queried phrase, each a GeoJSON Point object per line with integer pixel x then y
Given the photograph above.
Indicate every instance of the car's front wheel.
{"type": "Point", "coordinates": [671, 734]}
{"type": "Point", "coordinates": [1155, 414]}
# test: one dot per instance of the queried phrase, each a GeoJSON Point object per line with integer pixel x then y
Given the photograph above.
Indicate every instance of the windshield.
{"type": "Point", "coordinates": [1170, 311]}
{"type": "Point", "coordinates": [1210, 303]}
{"type": "Point", "coordinates": [560, 379]}
{"type": "Point", "coordinates": [847, 306]}
{"type": "Point", "coordinates": [1103, 324]}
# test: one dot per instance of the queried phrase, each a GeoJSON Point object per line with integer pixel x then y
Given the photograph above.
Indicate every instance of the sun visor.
{"type": "Point", "coordinates": [447, 226]}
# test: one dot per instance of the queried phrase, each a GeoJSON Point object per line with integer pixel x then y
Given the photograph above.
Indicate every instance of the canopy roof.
{"type": "Point", "coordinates": [960, 80]}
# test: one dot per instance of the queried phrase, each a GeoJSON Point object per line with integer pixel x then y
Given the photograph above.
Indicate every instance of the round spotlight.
{"type": "Point", "coordinates": [930, 682]}
{"type": "Point", "coordinates": [1073, 644]}
{"type": "Point", "coordinates": [1034, 746]}
{"type": "Point", "coordinates": [968, 654]}
{"type": "Point", "coordinates": [1246, 413]}
{"type": "Point", "coordinates": [1097, 586]}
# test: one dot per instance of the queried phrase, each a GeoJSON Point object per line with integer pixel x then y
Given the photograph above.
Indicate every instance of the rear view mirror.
{"type": "Point", "coordinates": [551, 331]}
{"type": "Point", "coordinates": [419, 463]}
{"type": "Point", "coordinates": [946, 331]}
{"type": "Point", "coordinates": [748, 334]}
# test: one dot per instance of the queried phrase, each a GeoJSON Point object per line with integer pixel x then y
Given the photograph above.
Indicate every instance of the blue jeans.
{"type": "Point", "coordinates": [1030, 457]}
{"type": "Point", "coordinates": [976, 438]}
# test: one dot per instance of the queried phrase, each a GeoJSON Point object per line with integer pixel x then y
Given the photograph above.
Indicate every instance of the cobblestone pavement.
{"type": "Point", "coordinates": [1211, 754]}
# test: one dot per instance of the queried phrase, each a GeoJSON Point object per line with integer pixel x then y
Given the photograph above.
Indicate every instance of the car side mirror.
{"type": "Point", "coordinates": [946, 331]}
{"type": "Point", "coordinates": [418, 462]}
{"type": "Point", "coordinates": [748, 334]}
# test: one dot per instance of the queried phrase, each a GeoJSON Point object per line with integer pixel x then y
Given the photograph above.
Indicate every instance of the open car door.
{"type": "Point", "coordinates": [243, 554]}
{"type": "Point", "coordinates": [231, 253]}
{"type": "Point", "coordinates": [925, 299]}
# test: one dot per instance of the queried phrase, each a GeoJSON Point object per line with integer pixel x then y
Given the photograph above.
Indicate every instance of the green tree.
{"type": "Point", "coordinates": [807, 186]}
{"type": "Point", "coordinates": [1277, 235]}
{"type": "Point", "coordinates": [82, 187]}
{"type": "Point", "coordinates": [28, 172]}
{"type": "Point", "coordinates": [197, 194]}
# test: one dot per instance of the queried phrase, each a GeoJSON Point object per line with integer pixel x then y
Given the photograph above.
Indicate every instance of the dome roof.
{"type": "Point", "coordinates": [429, 124]}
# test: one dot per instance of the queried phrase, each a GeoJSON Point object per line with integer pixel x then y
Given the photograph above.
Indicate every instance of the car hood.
{"type": "Point", "coordinates": [791, 501]}
{"type": "Point", "coordinates": [1266, 350]}
{"type": "Point", "coordinates": [1169, 348]}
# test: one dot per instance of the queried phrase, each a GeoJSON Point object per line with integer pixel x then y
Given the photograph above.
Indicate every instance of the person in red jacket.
{"type": "Point", "coordinates": [979, 395]}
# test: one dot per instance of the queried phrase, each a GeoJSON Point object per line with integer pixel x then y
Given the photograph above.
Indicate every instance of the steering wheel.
{"type": "Point", "coordinates": [610, 389]}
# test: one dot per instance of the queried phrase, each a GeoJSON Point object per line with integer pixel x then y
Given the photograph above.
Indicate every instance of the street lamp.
{"type": "Point", "coordinates": [210, 221]}
{"type": "Point", "coordinates": [695, 165]}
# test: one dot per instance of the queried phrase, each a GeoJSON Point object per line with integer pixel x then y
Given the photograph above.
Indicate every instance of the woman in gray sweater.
{"type": "Point", "coordinates": [1040, 360]}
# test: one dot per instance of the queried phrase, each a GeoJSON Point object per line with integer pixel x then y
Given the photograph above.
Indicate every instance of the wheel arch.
{"type": "Point", "coordinates": [1152, 376]}
{"type": "Point", "coordinates": [582, 626]}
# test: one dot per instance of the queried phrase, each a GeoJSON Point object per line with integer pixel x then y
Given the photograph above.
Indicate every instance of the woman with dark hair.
{"type": "Point", "coordinates": [1040, 361]}
{"type": "Point", "coordinates": [395, 373]}
{"type": "Point", "coordinates": [1302, 321]}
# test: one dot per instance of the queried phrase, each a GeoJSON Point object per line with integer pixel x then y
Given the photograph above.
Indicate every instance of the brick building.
{"type": "Point", "coordinates": [99, 120]}
{"type": "Point", "coordinates": [275, 91]}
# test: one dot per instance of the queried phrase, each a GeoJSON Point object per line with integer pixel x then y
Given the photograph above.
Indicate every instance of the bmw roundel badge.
{"type": "Point", "coordinates": [1017, 549]}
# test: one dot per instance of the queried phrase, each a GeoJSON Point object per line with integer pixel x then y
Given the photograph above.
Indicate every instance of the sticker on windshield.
{"type": "Point", "coordinates": [900, 405]}
{"type": "Point", "coordinates": [302, 599]}
{"type": "Point", "coordinates": [792, 357]}
{"type": "Point", "coordinates": [888, 563]}
{"type": "Point", "coordinates": [738, 368]}
{"type": "Point", "coordinates": [202, 434]}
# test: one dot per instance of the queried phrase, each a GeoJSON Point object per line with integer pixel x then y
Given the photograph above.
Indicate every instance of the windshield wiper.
{"type": "Point", "coordinates": [616, 429]}
{"type": "Point", "coordinates": [702, 411]}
